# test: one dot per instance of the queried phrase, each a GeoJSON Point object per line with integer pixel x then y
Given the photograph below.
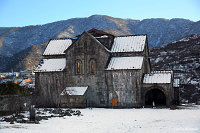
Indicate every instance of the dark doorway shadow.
{"type": "Point", "coordinates": [156, 96]}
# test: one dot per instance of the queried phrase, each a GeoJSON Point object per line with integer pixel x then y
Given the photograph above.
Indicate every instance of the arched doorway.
{"type": "Point", "coordinates": [156, 96]}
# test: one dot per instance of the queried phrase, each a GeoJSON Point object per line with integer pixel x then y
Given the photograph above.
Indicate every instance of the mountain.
{"type": "Point", "coordinates": [16, 43]}
{"type": "Point", "coordinates": [25, 60]}
{"type": "Point", "coordinates": [183, 57]}
{"type": "Point", "coordinates": [159, 31]}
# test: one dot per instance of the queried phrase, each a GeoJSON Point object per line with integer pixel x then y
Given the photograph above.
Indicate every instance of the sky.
{"type": "Point", "coordinates": [14, 13]}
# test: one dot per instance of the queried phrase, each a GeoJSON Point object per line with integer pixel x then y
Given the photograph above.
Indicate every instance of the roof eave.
{"type": "Point", "coordinates": [53, 54]}
{"type": "Point", "coordinates": [48, 71]}
{"type": "Point", "coordinates": [156, 83]}
{"type": "Point", "coordinates": [128, 52]}
{"type": "Point", "coordinates": [121, 69]}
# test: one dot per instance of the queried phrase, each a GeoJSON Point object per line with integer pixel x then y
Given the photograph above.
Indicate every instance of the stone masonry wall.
{"type": "Point", "coordinates": [48, 87]}
{"type": "Point", "coordinates": [84, 50]}
{"type": "Point", "coordinates": [14, 103]}
{"type": "Point", "coordinates": [125, 86]}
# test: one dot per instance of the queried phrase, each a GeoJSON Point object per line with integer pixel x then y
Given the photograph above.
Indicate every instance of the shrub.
{"type": "Point", "coordinates": [10, 88]}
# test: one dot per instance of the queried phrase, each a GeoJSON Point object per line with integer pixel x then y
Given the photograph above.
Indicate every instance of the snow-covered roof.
{"type": "Point", "coordinates": [129, 44]}
{"type": "Point", "coordinates": [49, 65]}
{"type": "Point", "coordinates": [74, 90]}
{"type": "Point", "coordinates": [158, 77]}
{"type": "Point", "coordinates": [57, 47]}
{"type": "Point", "coordinates": [117, 63]}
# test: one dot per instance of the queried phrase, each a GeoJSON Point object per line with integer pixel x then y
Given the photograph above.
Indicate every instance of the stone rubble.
{"type": "Point", "coordinates": [41, 114]}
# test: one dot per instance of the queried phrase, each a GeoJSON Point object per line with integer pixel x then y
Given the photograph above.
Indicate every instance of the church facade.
{"type": "Point", "coordinates": [97, 69]}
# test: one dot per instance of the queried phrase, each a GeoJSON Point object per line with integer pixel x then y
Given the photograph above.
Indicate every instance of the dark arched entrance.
{"type": "Point", "coordinates": [156, 96]}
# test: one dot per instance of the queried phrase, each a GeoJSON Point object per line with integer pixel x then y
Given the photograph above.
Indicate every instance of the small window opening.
{"type": "Point", "coordinates": [78, 67]}
{"type": "Point", "coordinates": [92, 67]}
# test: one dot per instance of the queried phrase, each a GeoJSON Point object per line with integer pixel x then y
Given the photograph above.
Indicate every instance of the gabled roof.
{"type": "Point", "coordinates": [57, 47]}
{"type": "Point", "coordinates": [92, 37]}
{"type": "Point", "coordinates": [158, 77]}
{"type": "Point", "coordinates": [119, 63]}
{"type": "Point", "coordinates": [129, 43]}
{"type": "Point", "coordinates": [74, 91]}
{"type": "Point", "coordinates": [51, 65]}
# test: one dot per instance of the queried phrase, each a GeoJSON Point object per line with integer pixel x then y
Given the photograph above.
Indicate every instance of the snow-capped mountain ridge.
{"type": "Point", "coordinates": [159, 31]}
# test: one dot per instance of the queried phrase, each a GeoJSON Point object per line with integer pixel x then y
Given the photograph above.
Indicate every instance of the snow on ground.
{"type": "Point", "coordinates": [98, 120]}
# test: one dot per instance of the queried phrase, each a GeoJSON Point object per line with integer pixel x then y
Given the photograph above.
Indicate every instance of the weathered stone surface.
{"type": "Point", "coordinates": [124, 87]}
{"type": "Point", "coordinates": [14, 103]}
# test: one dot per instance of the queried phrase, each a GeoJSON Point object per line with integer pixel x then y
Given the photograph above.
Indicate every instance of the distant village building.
{"type": "Point", "coordinates": [97, 69]}
{"type": "Point", "coordinates": [26, 73]}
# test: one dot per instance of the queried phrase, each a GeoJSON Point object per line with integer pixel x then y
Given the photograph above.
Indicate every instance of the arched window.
{"type": "Point", "coordinates": [78, 67]}
{"type": "Point", "coordinates": [92, 66]}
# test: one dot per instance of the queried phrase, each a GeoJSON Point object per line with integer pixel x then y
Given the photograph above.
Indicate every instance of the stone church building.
{"type": "Point", "coordinates": [98, 69]}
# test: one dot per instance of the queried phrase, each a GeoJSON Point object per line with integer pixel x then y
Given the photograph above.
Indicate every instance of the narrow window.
{"type": "Point", "coordinates": [78, 67]}
{"type": "Point", "coordinates": [92, 66]}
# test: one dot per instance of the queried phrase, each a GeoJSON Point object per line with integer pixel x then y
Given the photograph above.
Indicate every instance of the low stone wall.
{"type": "Point", "coordinates": [14, 103]}
{"type": "Point", "coordinates": [73, 102]}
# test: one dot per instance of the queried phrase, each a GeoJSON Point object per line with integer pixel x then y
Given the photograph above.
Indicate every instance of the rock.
{"type": "Point", "coordinates": [19, 120]}
{"type": "Point", "coordinates": [39, 112]}
{"type": "Point", "coordinates": [77, 112]}
{"type": "Point", "coordinates": [12, 122]}
{"type": "Point", "coordinates": [56, 111]}
{"type": "Point", "coordinates": [67, 113]}
{"type": "Point", "coordinates": [24, 120]}
{"type": "Point", "coordinates": [48, 116]}
{"type": "Point", "coordinates": [19, 117]}
{"type": "Point", "coordinates": [30, 121]}
{"type": "Point", "coordinates": [38, 118]}
{"type": "Point", "coordinates": [71, 111]}
{"type": "Point", "coordinates": [68, 110]}
{"type": "Point", "coordinates": [44, 117]}
{"type": "Point", "coordinates": [61, 115]}
{"type": "Point", "coordinates": [47, 109]}
{"type": "Point", "coordinates": [9, 119]}
{"type": "Point", "coordinates": [37, 122]}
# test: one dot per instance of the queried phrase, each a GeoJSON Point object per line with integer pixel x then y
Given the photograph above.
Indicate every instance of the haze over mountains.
{"type": "Point", "coordinates": [16, 41]}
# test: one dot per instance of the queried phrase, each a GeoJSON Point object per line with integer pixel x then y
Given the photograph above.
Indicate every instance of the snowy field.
{"type": "Point", "coordinates": [98, 120]}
